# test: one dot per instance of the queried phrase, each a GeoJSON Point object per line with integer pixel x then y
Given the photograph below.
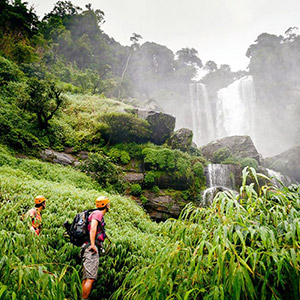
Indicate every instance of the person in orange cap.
{"type": "Point", "coordinates": [35, 216]}
{"type": "Point", "coordinates": [90, 250]}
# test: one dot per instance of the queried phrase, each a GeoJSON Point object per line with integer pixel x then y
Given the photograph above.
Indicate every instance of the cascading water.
{"type": "Point", "coordinates": [275, 176]}
{"type": "Point", "coordinates": [236, 107]}
{"type": "Point", "coordinates": [218, 178]}
{"type": "Point", "coordinates": [202, 116]}
{"type": "Point", "coordinates": [233, 114]}
{"type": "Point", "coordinates": [219, 175]}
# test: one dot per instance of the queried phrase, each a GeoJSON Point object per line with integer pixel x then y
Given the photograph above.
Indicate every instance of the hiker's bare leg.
{"type": "Point", "coordinates": [87, 287]}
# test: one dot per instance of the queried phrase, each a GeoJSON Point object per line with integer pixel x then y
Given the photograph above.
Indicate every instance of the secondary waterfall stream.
{"type": "Point", "coordinates": [203, 119]}
{"type": "Point", "coordinates": [218, 178]}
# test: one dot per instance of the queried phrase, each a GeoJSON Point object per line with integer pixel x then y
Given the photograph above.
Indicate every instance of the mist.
{"type": "Point", "coordinates": [262, 102]}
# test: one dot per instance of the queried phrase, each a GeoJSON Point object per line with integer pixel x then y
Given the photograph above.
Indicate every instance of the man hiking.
{"type": "Point", "coordinates": [90, 250]}
{"type": "Point", "coordinates": [34, 214]}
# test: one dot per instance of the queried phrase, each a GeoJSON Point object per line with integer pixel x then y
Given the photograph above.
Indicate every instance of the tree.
{"type": "Point", "coordinates": [44, 101]}
{"type": "Point", "coordinates": [18, 31]}
{"type": "Point", "coordinates": [189, 56]}
{"type": "Point", "coordinates": [135, 45]}
{"type": "Point", "coordinates": [210, 66]}
{"type": "Point", "coordinates": [64, 8]}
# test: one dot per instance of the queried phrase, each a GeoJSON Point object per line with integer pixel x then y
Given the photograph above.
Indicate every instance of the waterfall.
{"type": "Point", "coordinates": [236, 109]}
{"type": "Point", "coordinates": [219, 175]}
{"type": "Point", "coordinates": [202, 116]}
{"type": "Point", "coordinates": [218, 178]}
{"type": "Point", "coordinates": [273, 175]}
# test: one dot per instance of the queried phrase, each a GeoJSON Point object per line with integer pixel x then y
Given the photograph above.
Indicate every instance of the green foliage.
{"type": "Point", "coordinates": [178, 166]}
{"type": "Point", "coordinates": [136, 189]}
{"type": "Point", "coordinates": [156, 190]}
{"type": "Point", "coordinates": [44, 101]}
{"type": "Point", "coordinates": [249, 162]}
{"type": "Point", "coordinates": [126, 128]}
{"type": "Point", "coordinates": [221, 155]}
{"type": "Point", "coordinates": [102, 170]}
{"type": "Point", "coordinates": [9, 71]}
{"type": "Point", "coordinates": [47, 266]}
{"type": "Point", "coordinates": [144, 200]}
{"type": "Point", "coordinates": [117, 155]}
{"type": "Point", "coordinates": [243, 247]}
{"type": "Point", "coordinates": [198, 169]}
{"type": "Point", "coordinates": [149, 178]}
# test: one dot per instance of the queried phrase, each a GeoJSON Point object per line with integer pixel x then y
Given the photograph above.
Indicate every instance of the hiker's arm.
{"type": "Point", "coordinates": [93, 231]}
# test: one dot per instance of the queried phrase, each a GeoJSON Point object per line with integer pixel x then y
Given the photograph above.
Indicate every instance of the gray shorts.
{"type": "Point", "coordinates": [90, 263]}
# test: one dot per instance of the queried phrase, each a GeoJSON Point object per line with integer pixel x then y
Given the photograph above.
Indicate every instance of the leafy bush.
{"type": "Point", "coordinates": [149, 178]}
{"type": "Point", "coordinates": [249, 162]}
{"type": "Point", "coordinates": [117, 155]}
{"type": "Point", "coordinates": [101, 169]}
{"type": "Point", "coordinates": [136, 189]}
{"type": "Point", "coordinates": [222, 154]}
{"type": "Point", "coordinates": [156, 190]}
{"type": "Point", "coordinates": [126, 128]}
{"type": "Point", "coordinates": [198, 169]}
{"type": "Point", "coordinates": [144, 200]}
{"type": "Point", "coordinates": [9, 71]}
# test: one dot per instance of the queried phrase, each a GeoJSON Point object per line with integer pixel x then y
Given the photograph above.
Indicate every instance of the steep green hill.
{"type": "Point", "coordinates": [243, 247]}
{"type": "Point", "coordinates": [47, 267]}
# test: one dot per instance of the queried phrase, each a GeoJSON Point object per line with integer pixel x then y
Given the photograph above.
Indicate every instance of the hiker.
{"type": "Point", "coordinates": [35, 216]}
{"type": "Point", "coordinates": [90, 250]}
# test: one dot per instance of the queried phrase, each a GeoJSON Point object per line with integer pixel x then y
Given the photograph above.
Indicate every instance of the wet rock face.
{"type": "Point", "coordinates": [162, 207]}
{"type": "Point", "coordinates": [161, 125]}
{"type": "Point", "coordinates": [240, 146]}
{"type": "Point", "coordinates": [181, 139]}
{"type": "Point", "coordinates": [58, 157]}
{"type": "Point", "coordinates": [134, 177]}
{"type": "Point", "coordinates": [286, 162]}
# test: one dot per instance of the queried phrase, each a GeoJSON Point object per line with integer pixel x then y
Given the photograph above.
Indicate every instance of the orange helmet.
{"type": "Point", "coordinates": [39, 199]}
{"type": "Point", "coordinates": [102, 201]}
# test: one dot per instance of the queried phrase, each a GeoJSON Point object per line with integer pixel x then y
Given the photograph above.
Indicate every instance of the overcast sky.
{"type": "Point", "coordinates": [220, 30]}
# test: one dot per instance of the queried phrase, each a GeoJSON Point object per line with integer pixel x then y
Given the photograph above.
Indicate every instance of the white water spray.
{"type": "Point", "coordinates": [236, 107]}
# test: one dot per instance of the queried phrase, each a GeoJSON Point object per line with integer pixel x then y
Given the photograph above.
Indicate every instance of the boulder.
{"type": "Point", "coordinates": [161, 125]}
{"type": "Point", "coordinates": [133, 177]}
{"type": "Point", "coordinates": [286, 162]}
{"type": "Point", "coordinates": [181, 139]}
{"type": "Point", "coordinates": [162, 207]}
{"type": "Point", "coordinates": [240, 146]}
{"type": "Point", "coordinates": [166, 181]}
{"type": "Point", "coordinates": [58, 157]}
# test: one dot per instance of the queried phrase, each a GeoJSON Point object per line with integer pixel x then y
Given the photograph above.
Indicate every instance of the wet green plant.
{"type": "Point", "coordinates": [244, 247]}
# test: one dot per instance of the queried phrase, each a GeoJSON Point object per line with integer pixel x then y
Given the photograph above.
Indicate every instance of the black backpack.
{"type": "Point", "coordinates": [77, 232]}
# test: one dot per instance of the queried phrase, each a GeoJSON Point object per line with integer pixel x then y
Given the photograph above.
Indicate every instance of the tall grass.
{"type": "Point", "coordinates": [47, 266]}
{"type": "Point", "coordinates": [243, 247]}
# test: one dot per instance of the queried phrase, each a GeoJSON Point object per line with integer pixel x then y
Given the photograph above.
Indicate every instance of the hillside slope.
{"type": "Point", "coordinates": [47, 267]}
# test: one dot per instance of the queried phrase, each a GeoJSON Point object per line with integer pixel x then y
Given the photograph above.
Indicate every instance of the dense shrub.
{"type": "Point", "coordinates": [103, 171]}
{"type": "Point", "coordinates": [119, 156]}
{"type": "Point", "coordinates": [221, 155]}
{"type": "Point", "coordinates": [9, 71]}
{"type": "Point", "coordinates": [136, 189]}
{"type": "Point", "coordinates": [149, 178]}
{"type": "Point", "coordinates": [126, 128]}
{"type": "Point", "coordinates": [249, 162]}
